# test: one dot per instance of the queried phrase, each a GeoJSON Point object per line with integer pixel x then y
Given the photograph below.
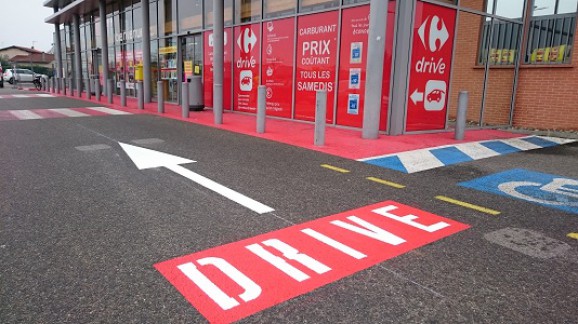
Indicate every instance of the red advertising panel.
{"type": "Point", "coordinates": [277, 63]}
{"type": "Point", "coordinates": [430, 67]}
{"type": "Point", "coordinates": [233, 281]}
{"type": "Point", "coordinates": [246, 67]}
{"type": "Point", "coordinates": [353, 64]}
{"type": "Point", "coordinates": [208, 69]}
{"type": "Point", "coordinates": [316, 59]}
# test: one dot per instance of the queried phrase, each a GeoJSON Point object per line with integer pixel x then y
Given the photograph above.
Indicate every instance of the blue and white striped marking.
{"type": "Point", "coordinates": [431, 158]}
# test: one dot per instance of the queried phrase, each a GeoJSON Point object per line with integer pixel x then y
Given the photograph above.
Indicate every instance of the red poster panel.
{"type": "Point", "coordinates": [316, 60]}
{"type": "Point", "coordinates": [353, 66]}
{"type": "Point", "coordinates": [208, 69]}
{"type": "Point", "coordinates": [233, 281]}
{"type": "Point", "coordinates": [246, 67]}
{"type": "Point", "coordinates": [386, 85]}
{"type": "Point", "coordinates": [430, 67]}
{"type": "Point", "coordinates": [277, 63]}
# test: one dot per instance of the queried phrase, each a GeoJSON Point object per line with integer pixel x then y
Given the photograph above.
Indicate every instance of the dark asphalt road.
{"type": "Point", "coordinates": [81, 227]}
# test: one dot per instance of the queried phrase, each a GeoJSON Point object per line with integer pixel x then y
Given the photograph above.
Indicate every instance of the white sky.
{"type": "Point", "coordinates": [26, 25]}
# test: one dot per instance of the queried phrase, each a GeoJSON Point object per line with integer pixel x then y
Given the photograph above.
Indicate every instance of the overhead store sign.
{"type": "Point", "coordinates": [233, 281]}
{"type": "Point", "coordinates": [431, 66]}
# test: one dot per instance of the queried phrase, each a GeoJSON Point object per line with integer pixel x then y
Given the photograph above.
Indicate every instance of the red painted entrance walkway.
{"type": "Point", "coordinates": [341, 142]}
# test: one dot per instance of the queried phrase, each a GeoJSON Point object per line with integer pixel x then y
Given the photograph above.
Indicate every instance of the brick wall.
{"type": "Point", "coordinates": [546, 98]}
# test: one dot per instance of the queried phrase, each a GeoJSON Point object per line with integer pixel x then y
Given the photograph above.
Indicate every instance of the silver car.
{"type": "Point", "coordinates": [20, 75]}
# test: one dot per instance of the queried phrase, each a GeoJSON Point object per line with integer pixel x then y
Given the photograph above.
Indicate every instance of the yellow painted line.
{"type": "Point", "coordinates": [468, 205]}
{"type": "Point", "coordinates": [385, 182]}
{"type": "Point", "coordinates": [330, 167]}
{"type": "Point", "coordinates": [573, 236]}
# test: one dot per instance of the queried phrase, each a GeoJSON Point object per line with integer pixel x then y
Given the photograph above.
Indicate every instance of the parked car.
{"type": "Point", "coordinates": [1, 77]}
{"type": "Point", "coordinates": [20, 75]}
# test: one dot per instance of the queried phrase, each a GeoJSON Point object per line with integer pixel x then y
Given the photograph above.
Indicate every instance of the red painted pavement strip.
{"type": "Point", "coordinates": [6, 115]}
{"type": "Point", "coordinates": [233, 281]}
{"type": "Point", "coordinates": [341, 142]}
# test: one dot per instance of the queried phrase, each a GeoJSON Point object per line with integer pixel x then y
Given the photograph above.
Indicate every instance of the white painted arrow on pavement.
{"type": "Point", "coordinates": [416, 97]}
{"type": "Point", "coordinates": [147, 159]}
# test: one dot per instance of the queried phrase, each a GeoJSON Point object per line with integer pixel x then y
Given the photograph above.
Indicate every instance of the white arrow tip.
{"type": "Point", "coordinates": [147, 159]}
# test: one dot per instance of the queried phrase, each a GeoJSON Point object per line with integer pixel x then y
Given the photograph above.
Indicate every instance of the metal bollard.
{"type": "Point", "coordinates": [63, 85]}
{"type": "Point", "coordinates": [218, 103]}
{"type": "Point", "coordinates": [70, 87]}
{"type": "Point", "coordinates": [97, 89]}
{"type": "Point", "coordinates": [88, 89]}
{"type": "Point", "coordinates": [123, 93]}
{"type": "Point", "coordinates": [261, 109]}
{"type": "Point", "coordinates": [185, 99]}
{"type": "Point", "coordinates": [320, 116]}
{"type": "Point", "coordinates": [140, 94]}
{"type": "Point", "coordinates": [109, 90]}
{"type": "Point", "coordinates": [461, 115]}
{"type": "Point", "coordinates": [160, 97]}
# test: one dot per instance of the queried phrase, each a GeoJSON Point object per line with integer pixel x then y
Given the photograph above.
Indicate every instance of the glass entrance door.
{"type": "Point", "coordinates": [191, 56]}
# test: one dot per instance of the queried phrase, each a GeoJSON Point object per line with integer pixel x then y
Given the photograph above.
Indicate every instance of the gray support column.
{"type": "Point", "coordinates": [374, 79]}
{"type": "Point", "coordinates": [104, 44]}
{"type": "Point", "coordinates": [401, 68]}
{"type": "Point", "coordinates": [218, 61]}
{"type": "Point", "coordinates": [58, 53]}
{"type": "Point", "coordinates": [146, 50]}
{"type": "Point", "coordinates": [77, 57]}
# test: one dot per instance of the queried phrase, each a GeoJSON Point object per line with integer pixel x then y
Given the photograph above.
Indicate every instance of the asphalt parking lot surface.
{"type": "Point", "coordinates": [91, 232]}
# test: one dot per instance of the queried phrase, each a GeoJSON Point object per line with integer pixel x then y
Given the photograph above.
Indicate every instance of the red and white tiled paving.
{"type": "Point", "coordinates": [406, 153]}
{"type": "Point", "coordinates": [24, 114]}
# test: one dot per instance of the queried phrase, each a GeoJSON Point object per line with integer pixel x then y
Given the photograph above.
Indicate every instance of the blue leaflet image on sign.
{"type": "Point", "coordinates": [540, 188]}
{"type": "Point", "coordinates": [354, 76]}
{"type": "Point", "coordinates": [353, 108]}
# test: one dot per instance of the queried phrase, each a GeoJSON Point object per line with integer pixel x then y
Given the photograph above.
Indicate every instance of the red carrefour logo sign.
{"type": "Point", "coordinates": [233, 281]}
{"type": "Point", "coordinates": [247, 40]}
{"type": "Point", "coordinates": [433, 33]}
{"type": "Point", "coordinates": [431, 62]}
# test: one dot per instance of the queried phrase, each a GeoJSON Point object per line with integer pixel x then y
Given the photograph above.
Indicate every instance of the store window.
{"type": "Point", "coordinates": [500, 39]}
{"type": "Point", "coordinates": [228, 13]}
{"type": "Point", "coordinates": [551, 32]}
{"type": "Point", "coordinates": [247, 10]}
{"type": "Point", "coordinates": [153, 13]}
{"type": "Point", "coordinates": [278, 8]}
{"type": "Point", "coordinates": [346, 2]}
{"type": "Point", "coordinates": [167, 17]}
{"type": "Point", "coordinates": [314, 5]}
{"type": "Point", "coordinates": [190, 14]}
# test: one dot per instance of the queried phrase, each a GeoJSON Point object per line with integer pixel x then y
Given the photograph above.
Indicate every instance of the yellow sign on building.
{"type": "Point", "coordinates": [138, 73]}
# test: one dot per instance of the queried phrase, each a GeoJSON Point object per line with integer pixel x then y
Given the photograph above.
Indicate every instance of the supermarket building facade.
{"type": "Point", "coordinates": [399, 72]}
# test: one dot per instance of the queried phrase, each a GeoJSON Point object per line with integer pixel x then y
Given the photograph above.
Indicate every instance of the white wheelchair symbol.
{"type": "Point", "coordinates": [556, 188]}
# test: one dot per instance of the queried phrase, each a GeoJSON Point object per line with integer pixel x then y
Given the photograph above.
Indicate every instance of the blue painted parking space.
{"type": "Point", "coordinates": [544, 189]}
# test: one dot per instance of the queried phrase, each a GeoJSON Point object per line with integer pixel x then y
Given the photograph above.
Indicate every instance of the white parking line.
{"type": "Point", "coordinates": [69, 112]}
{"type": "Point", "coordinates": [109, 111]}
{"type": "Point", "coordinates": [25, 114]}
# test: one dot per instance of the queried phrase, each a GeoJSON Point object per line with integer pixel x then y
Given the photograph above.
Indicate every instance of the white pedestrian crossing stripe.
{"type": "Point", "coordinates": [25, 114]}
{"type": "Point", "coordinates": [427, 159]}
